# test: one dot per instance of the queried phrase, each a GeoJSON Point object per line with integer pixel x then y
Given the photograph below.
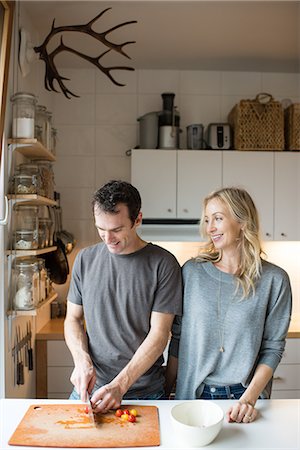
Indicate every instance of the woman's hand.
{"type": "Point", "coordinates": [242, 413]}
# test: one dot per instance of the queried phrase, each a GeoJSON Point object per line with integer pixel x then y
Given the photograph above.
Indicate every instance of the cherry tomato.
{"type": "Point", "coordinates": [86, 409]}
{"type": "Point", "coordinates": [119, 412]}
{"type": "Point", "coordinates": [124, 416]}
{"type": "Point", "coordinates": [131, 418]}
{"type": "Point", "coordinates": [126, 411]}
{"type": "Point", "coordinates": [133, 412]}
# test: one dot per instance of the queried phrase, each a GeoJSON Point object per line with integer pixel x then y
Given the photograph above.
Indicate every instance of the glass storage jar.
{"type": "Point", "coordinates": [43, 279]}
{"type": "Point", "coordinates": [47, 177]}
{"type": "Point", "coordinates": [41, 120]}
{"type": "Point", "coordinates": [26, 218]}
{"type": "Point", "coordinates": [44, 228]}
{"type": "Point", "coordinates": [23, 105]}
{"type": "Point", "coordinates": [25, 184]}
{"type": "Point", "coordinates": [25, 240]}
{"type": "Point", "coordinates": [31, 169]}
{"type": "Point", "coordinates": [53, 140]}
{"type": "Point", "coordinates": [26, 285]}
{"type": "Point", "coordinates": [48, 129]}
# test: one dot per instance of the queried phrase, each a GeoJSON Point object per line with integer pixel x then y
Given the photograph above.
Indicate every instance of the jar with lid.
{"type": "Point", "coordinates": [53, 140]}
{"type": "Point", "coordinates": [47, 177]}
{"type": "Point", "coordinates": [41, 120]}
{"type": "Point", "coordinates": [23, 105]}
{"type": "Point", "coordinates": [44, 229]}
{"type": "Point", "coordinates": [48, 129]}
{"type": "Point", "coordinates": [23, 184]}
{"type": "Point", "coordinates": [25, 240]}
{"type": "Point", "coordinates": [43, 279]}
{"type": "Point", "coordinates": [31, 169]}
{"type": "Point", "coordinates": [26, 218]}
{"type": "Point", "coordinates": [26, 278]}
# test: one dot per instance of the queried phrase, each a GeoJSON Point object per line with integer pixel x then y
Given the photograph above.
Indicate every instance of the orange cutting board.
{"type": "Point", "coordinates": [68, 425]}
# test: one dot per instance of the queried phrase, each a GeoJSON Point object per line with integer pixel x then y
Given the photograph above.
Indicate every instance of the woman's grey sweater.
{"type": "Point", "coordinates": [252, 330]}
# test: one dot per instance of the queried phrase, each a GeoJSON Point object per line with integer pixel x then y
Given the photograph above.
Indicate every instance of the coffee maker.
{"type": "Point", "coordinates": [168, 123]}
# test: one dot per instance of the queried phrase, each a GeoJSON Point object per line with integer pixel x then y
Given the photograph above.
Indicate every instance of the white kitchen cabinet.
{"type": "Point", "coordinates": [173, 183]}
{"type": "Point", "coordinates": [286, 381]}
{"type": "Point", "coordinates": [59, 368]}
{"type": "Point", "coordinates": [198, 173]}
{"type": "Point", "coordinates": [153, 173]}
{"type": "Point", "coordinates": [253, 171]}
{"type": "Point", "coordinates": [287, 196]}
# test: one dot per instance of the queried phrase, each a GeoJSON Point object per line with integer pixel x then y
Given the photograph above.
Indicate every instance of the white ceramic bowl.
{"type": "Point", "coordinates": [197, 422]}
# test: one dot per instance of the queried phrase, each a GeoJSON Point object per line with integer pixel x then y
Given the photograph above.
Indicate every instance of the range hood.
{"type": "Point", "coordinates": [170, 230]}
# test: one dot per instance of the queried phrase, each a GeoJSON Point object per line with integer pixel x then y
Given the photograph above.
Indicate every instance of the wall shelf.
{"type": "Point", "coordinates": [37, 252]}
{"type": "Point", "coordinates": [31, 199]}
{"type": "Point", "coordinates": [34, 312]}
{"type": "Point", "coordinates": [32, 148]}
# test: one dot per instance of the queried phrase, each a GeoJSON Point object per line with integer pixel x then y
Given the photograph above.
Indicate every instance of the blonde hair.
{"type": "Point", "coordinates": [243, 210]}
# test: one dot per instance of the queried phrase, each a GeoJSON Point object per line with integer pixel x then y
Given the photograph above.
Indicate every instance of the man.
{"type": "Point", "coordinates": [128, 291]}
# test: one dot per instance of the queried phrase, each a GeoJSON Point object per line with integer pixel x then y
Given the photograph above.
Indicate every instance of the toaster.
{"type": "Point", "coordinates": [219, 136]}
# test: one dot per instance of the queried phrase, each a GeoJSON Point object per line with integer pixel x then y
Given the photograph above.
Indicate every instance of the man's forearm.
{"type": "Point", "coordinates": [76, 340]}
{"type": "Point", "coordinates": [144, 358]}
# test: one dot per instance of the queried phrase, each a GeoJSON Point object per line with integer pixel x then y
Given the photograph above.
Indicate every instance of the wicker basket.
{"type": "Point", "coordinates": [258, 124]}
{"type": "Point", "coordinates": [292, 127]}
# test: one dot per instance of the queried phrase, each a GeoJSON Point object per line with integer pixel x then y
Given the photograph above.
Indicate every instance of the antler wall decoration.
{"type": "Point", "coordinates": [52, 74]}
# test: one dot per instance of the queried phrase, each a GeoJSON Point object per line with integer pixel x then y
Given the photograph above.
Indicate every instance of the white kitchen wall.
{"type": "Point", "coordinates": [96, 130]}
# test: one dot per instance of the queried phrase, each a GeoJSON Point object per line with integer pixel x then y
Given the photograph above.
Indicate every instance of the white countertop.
{"type": "Point", "coordinates": [277, 428]}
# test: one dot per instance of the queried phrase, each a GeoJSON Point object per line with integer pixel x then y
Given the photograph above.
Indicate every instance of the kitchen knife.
{"type": "Point", "coordinates": [20, 361]}
{"type": "Point", "coordinates": [29, 348]}
{"type": "Point", "coordinates": [90, 409]}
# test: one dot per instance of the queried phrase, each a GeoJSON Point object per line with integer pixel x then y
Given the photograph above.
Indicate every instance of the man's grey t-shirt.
{"type": "Point", "coordinates": [118, 294]}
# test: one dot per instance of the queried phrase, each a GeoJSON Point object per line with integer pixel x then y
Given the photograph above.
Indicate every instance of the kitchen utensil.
{"type": "Point", "coordinates": [197, 423]}
{"type": "Point", "coordinates": [168, 121]}
{"type": "Point", "coordinates": [30, 354]}
{"type": "Point", "coordinates": [20, 365]}
{"type": "Point", "coordinates": [169, 137]}
{"type": "Point", "coordinates": [194, 134]}
{"type": "Point", "coordinates": [68, 426]}
{"type": "Point", "coordinates": [90, 409]}
{"type": "Point", "coordinates": [149, 130]}
{"type": "Point", "coordinates": [219, 136]}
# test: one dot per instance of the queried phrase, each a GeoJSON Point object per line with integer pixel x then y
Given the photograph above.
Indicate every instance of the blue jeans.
{"type": "Point", "coordinates": [212, 392]}
{"type": "Point", "coordinates": [154, 396]}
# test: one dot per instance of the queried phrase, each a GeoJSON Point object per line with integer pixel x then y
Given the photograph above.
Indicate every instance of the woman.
{"type": "Point", "coordinates": [236, 311]}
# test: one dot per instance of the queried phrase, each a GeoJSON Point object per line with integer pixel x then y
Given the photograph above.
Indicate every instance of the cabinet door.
{"type": "Point", "coordinates": [153, 173]}
{"type": "Point", "coordinates": [287, 197]}
{"type": "Point", "coordinates": [198, 173]}
{"type": "Point", "coordinates": [253, 171]}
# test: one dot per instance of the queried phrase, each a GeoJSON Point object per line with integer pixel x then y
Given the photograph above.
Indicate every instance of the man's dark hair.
{"type": "Point", "coordinates": [114, 192]}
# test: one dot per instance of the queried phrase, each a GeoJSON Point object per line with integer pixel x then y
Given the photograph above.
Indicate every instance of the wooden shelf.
{"type": "Point", "coordinates": [37, 252]}
{"type": "Point", "coordinates": [32, 148]}
{"type": "Point", "coordinates": [32, 199]}
{"type": "Point", "coordinates": [34, 312]}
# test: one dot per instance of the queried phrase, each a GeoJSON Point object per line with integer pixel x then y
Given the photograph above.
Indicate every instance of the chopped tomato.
{"type": "Point", "coordinates": [86, 409]}
{"type": "Point", "coordinates": [119, 412]}
{"type": "Point", "coordinates": [131, 418]}
{"type": "Point", "coordinates": [126, 411]}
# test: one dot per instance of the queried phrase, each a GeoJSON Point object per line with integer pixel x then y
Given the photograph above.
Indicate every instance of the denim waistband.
{"type": "Point", "coordinates": [215, 389]}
